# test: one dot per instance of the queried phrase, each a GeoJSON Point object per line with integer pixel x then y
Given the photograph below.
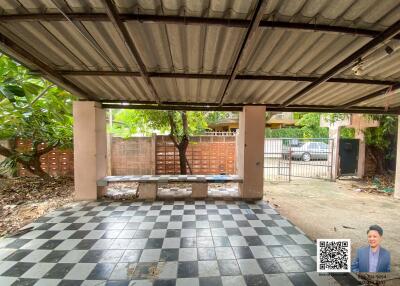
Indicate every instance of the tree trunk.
{"type": "Point", "coordinates": [182, 155]}
{"type": "Point", "coordinates": [181, 145]}
{"type": "Point", "coordinates": [37, 169]}
{"type": "Point", "coordinates": [33, 165]}
{"type": "Point", "coordinates": [12, 143]}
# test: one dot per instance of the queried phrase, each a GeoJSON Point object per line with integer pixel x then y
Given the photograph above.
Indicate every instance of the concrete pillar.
{"type": "Point", "coordinates": [397, 176]}
{"type": "Point", "coordinates": [90, 148]}
{"type": "Point", "coordinates": [359, 134]}
{"type": "Point", "coordinates": [250, 151]}
{"type": "Point", "coordinates": [109, 144]}
{"type": "Point", "coordinates": [334, 134]}
{"type": "Point", "coordinates": [153, 156]}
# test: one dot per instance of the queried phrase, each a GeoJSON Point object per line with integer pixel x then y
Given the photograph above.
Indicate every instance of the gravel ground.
{"type": "Point", "coordinates": [24, 199]}
{"type": "Point", "coordinates": [324, 209]}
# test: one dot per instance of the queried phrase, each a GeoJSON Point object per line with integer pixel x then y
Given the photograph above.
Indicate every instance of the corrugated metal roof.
{"type": "Point", "coordinates": [212, 49]}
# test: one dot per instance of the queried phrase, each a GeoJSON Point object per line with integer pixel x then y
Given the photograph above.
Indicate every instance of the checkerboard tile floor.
{"type": "Point", "coordinates": [203, 243]}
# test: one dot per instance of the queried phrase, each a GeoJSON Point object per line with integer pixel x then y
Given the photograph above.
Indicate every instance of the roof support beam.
{"type": "Point", "coordinates": [224, 77]}
{"type": "Point", "coordinates": [173, 107]}
{"type": "Point", "coordinates": [347, 62]}
{"type": "Point", "coordinates": [372, 95]}
{"type": "Point", "coordinates": [237, 107]}
{"type": "Point", "coordinates": [247, 43]}
{"type": "Point", "coordinates": [167, 19]}
{"type": "Point", "coordinates": [11, 48]}
{"type": "Point", "coordinates": [112, 13]}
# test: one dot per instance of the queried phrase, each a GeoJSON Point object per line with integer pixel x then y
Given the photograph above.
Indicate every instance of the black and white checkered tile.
{"type": "Point", "coordinates": [161, 243]}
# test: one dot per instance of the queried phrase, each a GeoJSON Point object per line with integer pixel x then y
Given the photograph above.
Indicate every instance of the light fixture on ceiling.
{"type": "Point", "coordinates": [363, 64]}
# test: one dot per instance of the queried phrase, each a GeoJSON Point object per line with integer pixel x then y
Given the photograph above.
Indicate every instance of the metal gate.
{"type": "Point", "coordinates": [288, 158]}
{"type": "Point", "coordinates": [348, 153]}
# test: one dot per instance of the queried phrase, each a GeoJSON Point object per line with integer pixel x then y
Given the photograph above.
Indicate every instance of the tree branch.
{"type": "Point", "coordinates": [8, 153]}
{"type": "Point", "coordinates": [5, 151]}
{"type": "Point", "coordinates": [41, 94]}
{"type": "Point", "coordinates": [46, 149]}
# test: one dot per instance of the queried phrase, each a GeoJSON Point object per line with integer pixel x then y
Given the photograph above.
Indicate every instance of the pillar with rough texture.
{"type": "Point", "coordinates": [334, 134]}
{"type": "Point", "coordinates": [90, 148]}
{"type": "Point", "coordinates": [250, 151]}
{"type": "Point", "coordinates": [359, 134]}
{"type": "Point", "coordinates": [397, 177]}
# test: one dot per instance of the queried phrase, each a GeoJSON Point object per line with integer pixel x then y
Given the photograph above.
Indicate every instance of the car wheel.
{"type": "Point", "coordinates": [306, 157]}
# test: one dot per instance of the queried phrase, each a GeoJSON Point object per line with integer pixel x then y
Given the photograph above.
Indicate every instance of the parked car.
{"type": "Point", "coordinates": [307, 151]}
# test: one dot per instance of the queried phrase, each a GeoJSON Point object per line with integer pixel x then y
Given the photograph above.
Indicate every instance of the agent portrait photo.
{"type": "Point", "coordinates": [372, 258]}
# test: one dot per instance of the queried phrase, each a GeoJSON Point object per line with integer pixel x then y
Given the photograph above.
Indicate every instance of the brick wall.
{"type": "Point", "coordinates": [57, 162]}
{"type": "Point", "coordinates": [133, 156]}
{"type": "Point", "coordinates": [205, 154]}
{"type": "Point", "coordinates": [137, 156]}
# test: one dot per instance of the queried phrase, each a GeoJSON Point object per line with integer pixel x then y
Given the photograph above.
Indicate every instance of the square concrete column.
{"type": "Point", "coordinates": [90, 148]}
{"type": "Point", "coordinates": [250, 151]}
{"type": "Point", "coordinates": [359, 134]}
{"type": "Point", "coordinates": [334, 134]}
{"type": "Point", "coordinates": [397, 176]}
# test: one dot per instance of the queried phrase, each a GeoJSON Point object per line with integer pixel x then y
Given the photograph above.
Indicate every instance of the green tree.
{"type": "Point", "coordinates": [309, 124]}
{"type": "Point", "coordinates": [34, 110]}
{"type": "Point", "coordinates": [179, 125]}
{"type": "Point", "coordinates": [215, 116]}
{"type": "Point", "coordinates": [381, 141]}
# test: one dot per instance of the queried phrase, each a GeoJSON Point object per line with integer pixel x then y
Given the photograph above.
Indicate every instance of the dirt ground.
{"type": "Point", "coordinates": [324, 209]}
{"type": "Point", "coordinates": [24, 199]}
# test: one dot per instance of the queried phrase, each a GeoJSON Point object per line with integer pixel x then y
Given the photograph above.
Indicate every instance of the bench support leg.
{"type": "Point", "coordinates": [101, 191]}
{"type": "Point", "coordinates": [199, 190]}
{"type": "Point", "coordinates": [147, 191]}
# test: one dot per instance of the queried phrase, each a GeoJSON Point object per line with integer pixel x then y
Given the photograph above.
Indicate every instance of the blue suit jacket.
{"type": "Point", "coordinates": [361, 263]}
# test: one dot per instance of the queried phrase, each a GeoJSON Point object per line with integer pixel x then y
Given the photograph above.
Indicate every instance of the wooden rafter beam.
{"type": "Point", "coordinates": [14, 50]}
{"type": "Point", "coordinates": [247, 43]}
{"type": "Point", "coordinates": [112, 13]}
{"type": "Point", "coordinates": [168, 19]}
{"type": "Point", "coordinates": [347, 62]}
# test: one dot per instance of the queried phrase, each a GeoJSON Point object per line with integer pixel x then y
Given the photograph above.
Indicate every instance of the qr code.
{"type": "Point", "coordinates": [333, 255]}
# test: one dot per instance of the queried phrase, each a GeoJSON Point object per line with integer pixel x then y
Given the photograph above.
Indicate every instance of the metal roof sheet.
{"type": "Point", "coordinates": [195, 48]}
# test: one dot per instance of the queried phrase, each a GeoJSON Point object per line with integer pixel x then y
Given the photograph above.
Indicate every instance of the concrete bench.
{"type": "Point", "coordinates": [148, 184]}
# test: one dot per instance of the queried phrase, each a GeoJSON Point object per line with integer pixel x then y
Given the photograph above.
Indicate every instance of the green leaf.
{"type": "Point", "coordinates": [15, 90]}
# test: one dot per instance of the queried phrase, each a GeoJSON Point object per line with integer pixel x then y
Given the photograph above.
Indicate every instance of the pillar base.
{"type": "Point", "coordinates": [147, 191]}
{"type": "Point", "coordinates": [248, 195]}
{"type": "Point", "coordinates": [199, 190]}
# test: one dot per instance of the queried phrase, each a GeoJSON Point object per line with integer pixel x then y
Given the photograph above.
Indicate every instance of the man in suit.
{"type": "Point", "coordinates": [372, 258]}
